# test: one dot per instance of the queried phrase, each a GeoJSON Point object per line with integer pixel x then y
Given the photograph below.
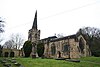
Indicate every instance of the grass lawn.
{"type": "Point", "coordinates": [38, 62]}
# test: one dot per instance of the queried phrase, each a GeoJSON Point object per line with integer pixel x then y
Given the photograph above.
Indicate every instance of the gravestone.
{"type": "Point", "coordinates": [7, 64]}
{"type": "Point", "coordinates": [13, 61]}
{"type": "Point", "coordinates": [60, 58]}
{"type": "Point", "coordinates": [3, 61]}
{"type": "Point", "coordinates": [72, 60]}
{"type": "Point", "coordinates": [17, 64]}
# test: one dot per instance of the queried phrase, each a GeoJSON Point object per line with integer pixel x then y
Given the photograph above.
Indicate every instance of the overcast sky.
{"type": "Point", "coordinates": [54, 16]}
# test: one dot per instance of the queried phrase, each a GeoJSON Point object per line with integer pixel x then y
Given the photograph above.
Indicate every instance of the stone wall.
{"type": "Point", "coordinates": [67, 48]}
{"type": "Point", "coordinates": [17, 53]}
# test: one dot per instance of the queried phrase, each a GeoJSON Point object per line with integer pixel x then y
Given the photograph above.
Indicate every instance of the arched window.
{"type": "Point", "coordinates": [81, 45]}
{"type": "Point", "coordinates": [65, 48]}
{"type": "Point", "coordinates": [53, 49]}
{"type": "Point", "coordinates": [36, 35]}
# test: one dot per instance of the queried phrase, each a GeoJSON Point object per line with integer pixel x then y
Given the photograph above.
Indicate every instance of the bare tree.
{"type": "Point", "coordinates": [17, 40]}
{"type": "Point", "coordinates": [1, 28]}
{"type": "Point", "coordinates": [8, 44]}
{"type": "Point", "coordinates": [91, 31]}
{"type": "Point", "coordinates": [60, 35]}
{"type": "Point", "coordinates": [1, 25]}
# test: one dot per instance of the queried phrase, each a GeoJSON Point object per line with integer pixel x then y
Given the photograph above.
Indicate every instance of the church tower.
{"type": "Point", "coordinates": [34, 36]}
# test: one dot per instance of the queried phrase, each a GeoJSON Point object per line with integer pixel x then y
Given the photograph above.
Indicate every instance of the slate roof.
{"type": "Point", "coordinates": [66, 37]}
{"type": "Point", "coordinates": [54, 38]}
{"type": "Point", "coordinates": [48, 38]}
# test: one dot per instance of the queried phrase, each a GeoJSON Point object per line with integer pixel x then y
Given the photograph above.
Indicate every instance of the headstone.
{"type": "Point", "coordinates": [17, 64]}
{"type": "Point", "coordinates": [73, 60]}
{"type": "Point", "coordinates": [3, 61]}
{"type": "Point", "coordinates": [13, 58]}
{"type": "Point", "coordinates": [13, 61]}
{"type": "Point", "coordinates": [7, 64]}
{"type": "Point", "coordinates": [60, 58]}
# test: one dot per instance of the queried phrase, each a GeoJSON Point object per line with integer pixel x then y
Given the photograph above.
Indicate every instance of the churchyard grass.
{"type": "Point", "coordinates": [38, 62]}
{"type": "Point", "coordinates": [91, 59]}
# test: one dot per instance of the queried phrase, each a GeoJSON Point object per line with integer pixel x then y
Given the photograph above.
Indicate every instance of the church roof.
{"type": "Point", "coordinates": [35, 22]}
{"type": "Point", "coordinates": [66, 37]}
{"type": "Point", "coordinates": [51, 37]}
{"type": "Point", "coordinates": [54, 38]}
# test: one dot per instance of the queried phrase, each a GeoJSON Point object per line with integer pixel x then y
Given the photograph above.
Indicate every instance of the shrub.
{"type": "Point", "coordinates": [27, 47]}
{"type": "Point", "coordinates": [40, 49]}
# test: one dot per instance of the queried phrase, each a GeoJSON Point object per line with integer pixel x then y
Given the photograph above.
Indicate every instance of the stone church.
{"type": "Point", "coordinates": [73, 46]}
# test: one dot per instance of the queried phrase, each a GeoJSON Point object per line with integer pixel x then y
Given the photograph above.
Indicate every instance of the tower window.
{"type": "Point", "coordinates": [35, 35]}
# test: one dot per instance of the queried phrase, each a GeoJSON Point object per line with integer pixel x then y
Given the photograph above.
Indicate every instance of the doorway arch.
{"type": "Point", "coordinates": [12, 54]}
{"type": "Point", "coordinates": [6, 54]}
{"type": "Point", "coordinates": [59, 54]}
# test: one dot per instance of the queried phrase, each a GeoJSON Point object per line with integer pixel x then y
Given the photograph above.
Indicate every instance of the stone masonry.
{"type": "Point", "coordinates": [73, 46]}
